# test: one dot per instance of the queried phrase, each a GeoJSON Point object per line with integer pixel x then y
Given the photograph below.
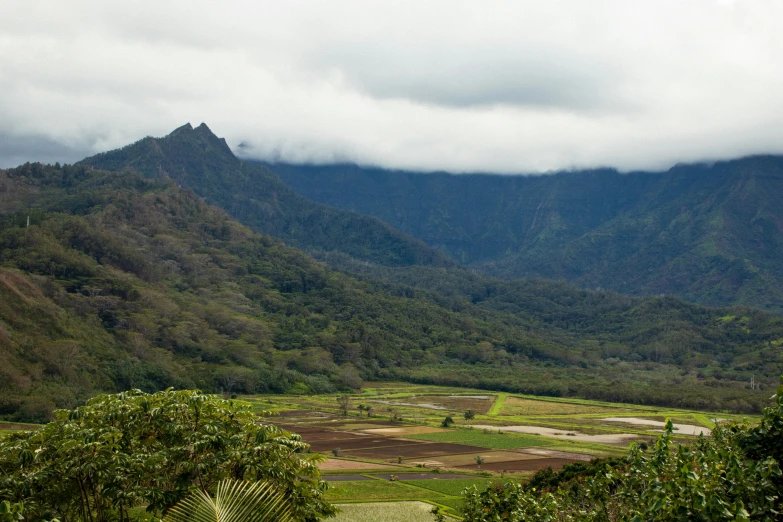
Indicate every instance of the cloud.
{"type": "Point", "coordinates": [463, 86]}
{"type": "Point", "coordinates": [16, 150]}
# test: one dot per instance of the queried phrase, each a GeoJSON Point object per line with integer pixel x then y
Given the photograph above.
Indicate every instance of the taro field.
{"type": "Point", "coordinates": [398, 450]}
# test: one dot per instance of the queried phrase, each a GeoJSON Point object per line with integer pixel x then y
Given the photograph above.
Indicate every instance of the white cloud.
{"type": "Point", "coordinates": [491, 86]}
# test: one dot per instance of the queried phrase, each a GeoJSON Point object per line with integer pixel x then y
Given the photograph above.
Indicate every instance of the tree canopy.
{"type": "Point", "coordinates": [129, 449]}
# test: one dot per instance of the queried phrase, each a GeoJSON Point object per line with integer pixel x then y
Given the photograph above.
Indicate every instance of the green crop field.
{"type": "Point", "coordinates": [385, 512]}
{"type": "Point", "coordinates": [376, 489]}
{"type": "Point", "coordinates": [451, 487]}
{"type": "Point", "coordinates": [403, 405]}
{"type": "Point", "coordinates": [520, 406]}
{"type": "Point", "coordinates": [455, 503]}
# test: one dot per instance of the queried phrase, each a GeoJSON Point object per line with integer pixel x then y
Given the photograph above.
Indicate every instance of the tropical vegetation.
{"type": "Point", "coordinates": [101, 461]}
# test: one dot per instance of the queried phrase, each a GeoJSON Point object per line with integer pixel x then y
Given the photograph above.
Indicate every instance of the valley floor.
{"type": "Point", "coordinates": [388, 451]}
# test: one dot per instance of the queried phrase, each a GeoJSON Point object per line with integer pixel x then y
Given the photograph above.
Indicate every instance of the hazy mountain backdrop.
{"type": "Point", "coordinates": [710, 234]}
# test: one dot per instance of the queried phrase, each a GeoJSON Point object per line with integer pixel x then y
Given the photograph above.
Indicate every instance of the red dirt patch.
{"type": "Point", "coordinates": [339, 464]}
{"type": "Point", "coordinates": [422, 449]}
{"type": "Point", "coordinates": [352, 446]}
{"type": "Point", "coordinates": [520, 465]}
{"type": "Point", "coordinates": [403, 430]}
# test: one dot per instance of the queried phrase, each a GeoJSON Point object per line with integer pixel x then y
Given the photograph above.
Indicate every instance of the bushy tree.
{"type": "Point", "coordinates": [133, 448]}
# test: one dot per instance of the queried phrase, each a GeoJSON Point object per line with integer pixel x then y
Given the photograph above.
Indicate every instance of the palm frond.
{"type": "Point", "coordinates": [235, 501]}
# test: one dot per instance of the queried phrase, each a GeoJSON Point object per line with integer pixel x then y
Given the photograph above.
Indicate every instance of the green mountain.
{"type": "Point", "coordinates": [710, 234]}
{"type": "Point", "coordinates": [251, 193]}
{"type": "Point", "coordinates": [123, 281]}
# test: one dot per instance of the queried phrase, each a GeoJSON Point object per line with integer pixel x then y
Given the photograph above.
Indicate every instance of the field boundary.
{"type": "Point", "coordinates": [498, 405]}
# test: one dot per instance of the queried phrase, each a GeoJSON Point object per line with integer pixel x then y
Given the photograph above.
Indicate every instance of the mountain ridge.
{"type": "Point", "coordinates": [710, 233]}
{"type": "Point", "coordinates": [197, 159]}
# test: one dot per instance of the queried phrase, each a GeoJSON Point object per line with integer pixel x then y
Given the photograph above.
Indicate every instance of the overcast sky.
{"type": "Point", "coordinates": [516, 86]}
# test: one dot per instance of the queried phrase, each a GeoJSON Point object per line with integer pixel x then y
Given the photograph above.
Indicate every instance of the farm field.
{"type": "Point", "coordinates": [385, 512]}
{"type": "Point", "coordinates": [376, 489]}
{"type": "Point", "coordinates": [387, 449]}
{"type": "Point", "coordinates": [387, 444]}
{"type": "Point", "coordinates": [6, 428]}
{"type": "Point", "coordinates": [383, 497]}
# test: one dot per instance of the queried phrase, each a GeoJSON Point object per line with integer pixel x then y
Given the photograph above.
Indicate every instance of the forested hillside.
{"type": "Point", "coordinates": [199, 160]}
{"type": "Point", "coordinates": [121, 281]}
{"type": "Point", "coordinates": [708, 234]}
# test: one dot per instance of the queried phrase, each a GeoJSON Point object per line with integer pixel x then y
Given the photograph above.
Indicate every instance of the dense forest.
{"type": "Point", "coordinates": [120, 281]}
{"type": "Point", "coordinates": [710, 234]}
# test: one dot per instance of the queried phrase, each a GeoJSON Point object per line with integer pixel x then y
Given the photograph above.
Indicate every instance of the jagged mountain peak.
{"type": "Point", "coordinates": [198, 159]}
{"type": "Point", "coordinates": [181, 130]}
{"type": "Point", "coordinates": [200, 141]}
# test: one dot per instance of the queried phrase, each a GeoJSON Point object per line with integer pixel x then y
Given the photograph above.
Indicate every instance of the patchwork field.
{"type": "Point", "coordinates": [467, 459]}
{"type": "Point", "coordinates": [398, 450]}
{"type": "Point", "coordinates": [422, 436]}
{"type": "Point", "coordinates": [484, 439]}
{"type": "Point", "coordinates": [405, 430]}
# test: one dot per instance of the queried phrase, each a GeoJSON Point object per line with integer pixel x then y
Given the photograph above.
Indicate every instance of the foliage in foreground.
{"type": "Point", "coordinates": [734, 475]}
{"type": "Point", "coordinates": [235, 501]}
{"type": "Point", "coordinates": [129, 449]}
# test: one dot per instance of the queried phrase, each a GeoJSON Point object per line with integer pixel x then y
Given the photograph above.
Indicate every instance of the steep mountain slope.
{"type": "Point", "coordinates": [121, 281]}
{"type": "Point", "coordinates": [197, 159]}
{"type": "Point", "coordinates": [709, 234]}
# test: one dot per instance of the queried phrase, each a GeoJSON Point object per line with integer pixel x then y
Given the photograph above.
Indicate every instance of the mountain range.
{"type": "Point", "coordinates": [124, 271]}
{"type": "Point", "coordinates": [710, 234]}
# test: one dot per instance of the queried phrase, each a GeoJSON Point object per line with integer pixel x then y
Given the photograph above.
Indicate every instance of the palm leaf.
{"type": "Point", "coordinates": [235, 501]}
